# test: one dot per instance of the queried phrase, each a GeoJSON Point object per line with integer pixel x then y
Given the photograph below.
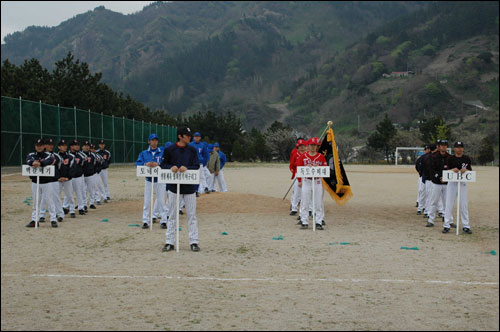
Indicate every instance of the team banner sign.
{"type": "Point", "coordinates": [337, 185]}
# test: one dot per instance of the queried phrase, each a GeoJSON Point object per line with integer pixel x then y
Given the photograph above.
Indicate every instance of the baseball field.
{"type": "Point", "coordinates": [374, 267]}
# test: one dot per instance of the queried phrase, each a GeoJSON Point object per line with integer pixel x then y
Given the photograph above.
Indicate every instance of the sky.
{"type": "Point", "coordinates": [18, 15]}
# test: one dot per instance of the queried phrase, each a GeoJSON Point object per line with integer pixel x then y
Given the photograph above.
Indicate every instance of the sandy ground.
{"type": "Point", "coordinates": [94, 275]}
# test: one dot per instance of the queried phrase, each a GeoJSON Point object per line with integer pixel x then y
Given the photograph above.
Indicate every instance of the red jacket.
{"type": "Point", "coordinates": [307, 160]}
{"type": "Point", "coordinates": [293, 163]}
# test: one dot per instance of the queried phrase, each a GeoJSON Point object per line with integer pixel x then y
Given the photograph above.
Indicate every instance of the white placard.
{"type": "Point", "coordinates": [38, 171]}
{"type": "Point", "coordinates": [450, 176]}
{"type": "Point", "coordinates": [187, 177]}
{"type": "Point", "coordinates": [146, 171]}
{"type": "Point", "coordinates": [313, 171]}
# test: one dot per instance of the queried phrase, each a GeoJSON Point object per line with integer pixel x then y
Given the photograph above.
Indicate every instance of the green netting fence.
{"type": "Point", "coordinates": [23, 121]}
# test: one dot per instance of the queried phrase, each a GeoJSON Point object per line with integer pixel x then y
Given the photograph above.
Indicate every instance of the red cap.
{"type": "Point", "coordinates": [301, 142]}
{"type": "Point", "coordinates": [315, 141]}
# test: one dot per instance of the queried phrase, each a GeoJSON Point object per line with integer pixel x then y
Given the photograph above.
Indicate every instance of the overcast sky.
{"type": "Point", "coordinates": [18, 15]}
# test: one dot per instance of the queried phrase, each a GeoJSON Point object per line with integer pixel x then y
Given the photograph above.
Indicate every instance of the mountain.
{"type": "Point", "coordinates": [179, 56]}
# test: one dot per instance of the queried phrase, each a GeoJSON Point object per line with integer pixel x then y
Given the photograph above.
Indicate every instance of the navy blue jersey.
{"type": "Point", "coordinates": [45, 159]}
{"type": "Point", "coordinates": [178, 156]}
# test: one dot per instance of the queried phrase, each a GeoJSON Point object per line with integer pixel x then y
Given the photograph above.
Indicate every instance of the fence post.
{"type": "Point", "coordinates": [102, 126]}
{"type": "Point", "coordinates": [58, 122]}
{"type": "Point", "coordinates": [124, 147]}
{"type": "Point", "coordinates": [133, 136]}
{"type": "Point", "coordinates": [142, 133]}
{"type": "Point", "coordinates": [113, 125]}
{"type": "Point", "coordinates": [21, 126]}
{"type": "Point", "coordinates": [90, 129]}
{"type": "Point", "coordinates": [76, 132]}
{"type": "Point", "coordinates": [41, 119]}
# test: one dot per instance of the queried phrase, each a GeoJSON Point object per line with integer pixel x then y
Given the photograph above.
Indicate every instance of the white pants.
{"type": "Point", "coordinates": [222, 182]}
{"type": "Point", "coordinates": [421, 194]}
{"type": "Point", "coordinates": [89, 191]}
{"type": "Point", "coordinates": [296, 195]}
{"type": "Point", "coordinates": [207, 176]}
{"type": "Point", "coordinates": [104, 179]}
{"type": "Point", "coordinates": [79, 189]}
{"type": "Point", "coordinates": [306, 199]}
{"type": "Point", "coordinates": [451, 195]}
{"type": "Point", "coordinates": [203, 183]}
{"type": "Point", "coordinates": [190, 201]}
{"type": "Point", "coordinates": [54, 193]}
{"type": "Point", "coordinates": [98, 188]}
{"type": "Point", "coordinates": [68, 202]}
{"type": "Point", "coordinates": [438, 194]}
{"type": "Point", "coordinates": [160, 197]}
{"type": "Point", "coordinates": [158, 211]}
{"type": "Point", "coordinates": [45, 191]}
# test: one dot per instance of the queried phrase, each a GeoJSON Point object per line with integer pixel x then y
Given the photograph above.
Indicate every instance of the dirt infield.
{"type": "Point", "coordinates": [90, 274]}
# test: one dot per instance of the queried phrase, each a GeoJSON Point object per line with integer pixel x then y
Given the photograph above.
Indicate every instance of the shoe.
{"type": "Point", "coordinates": [303, 226]}
{"type": "Point", "coordinates": [154, 220]}
{"type": "Point", "coordinates": [76, 207]}
{"type": "Point", "coordinates": [66, 211]}
{"type": "Point", "coordinates": [31, 224]}
{"type": "Point", "coordinates": [441, 214]}
{"type": "Point", "coordinates": [180, 212]}
{"type": "Point", "coordinates": [163, 226]}
{"type": "Point", "coordinates": [426, 216]}
{"type": "Point", "coordinates": [81, 212]}
{"type": "Point", "coordinates": [293, 213]}
{"type": "Point", "coordinates": [108, 198]}
{"type": "Point", "coordinates": [419, 212]}
{"type": "Point", "coordinates": [446, 230]}
{"type": "Point", "coordinates": [319, 226]}
{"type": "Point", "coordinates": [72, 215]}
{"type": "Point", "coordinates": [105, 201]}
{"type": "Point", "coordinates": [323, 223]}
{"type": "Point", "coordinates": [168, 247]}
{"type": "Point", "coordinates": [145, 226]}
{"type": "Point", "coordinates": [197, 194]}
{"type": "Point", "coordinates": [299, 222]}
{"type": "Point", "coordinates": [442, 218]}
{"type": "Point", "coordinates": [98, 203]}
{"type": "Point", "coordinates": [60, 219]}
{"type": "Point", "coordinates": [429, 224]}
{"type": "Point", "coordinates": [194, 247]}
{"type": "Point", "coordinates": [416, 205]}
{"type": "Point", "coordinates": [213, 191]}
{"type": "Point", "coordinates": [452, 225]}
{"type": "Point", "coordinates": [54, 224]}
{"type": "Point", "coordinates": [310, 214]}
{"type": "Point", "coordinates": [92, 206]}
{"type": "Point", "coordinates": [467, 230]}
{"type": "Point", "coordinates": [85, 208]}
{"type": "Point", "coordinates": [42, 219]}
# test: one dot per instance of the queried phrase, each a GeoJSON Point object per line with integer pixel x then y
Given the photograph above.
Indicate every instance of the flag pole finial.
{"type": "Point", "coordinates": [330, 123]}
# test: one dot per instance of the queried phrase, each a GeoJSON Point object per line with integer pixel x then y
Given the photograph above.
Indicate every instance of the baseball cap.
{"type": "Point", "coordinates": [62, 142]}
{"type": "Point", "coordinates": [49, 141]}
{"type": "Point", "coordinates": [301, 142]}
{"type": "Point", "coordinates": [168, 144]}
{"type": "Point", "coordinates": [442, 142]}
{"type": "Point", "coordinates": [314, 141]}
{"type": "Point", "coordinates": [39, 141]}
{"type": "Point", "coordinates": [185, 131]}
{"type": "Point", "coordinates": [432, 147]}
{"type": "Point", "coordinates": [86, 143]}
{"type": "Point", "coordinates": [74, 142]}
{"type": "Point", "coordinates": [426, 147]}
{"type": "Point", "coordinates": [216, 145]}
{"type": "Point", "coordinates": [101, 142]}
{"type": "Point", "coordinates": [458, 144]}
{"type": "Point", "coordinates": [197, 134]}
{"type": "Point", "coordinates": [210, 147]}
{"type": "Point", "coordinates": [152, 137]}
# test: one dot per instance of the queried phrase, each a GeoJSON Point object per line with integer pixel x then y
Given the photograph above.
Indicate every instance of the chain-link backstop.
{"type": "Point", "coordinates": [23, 121]}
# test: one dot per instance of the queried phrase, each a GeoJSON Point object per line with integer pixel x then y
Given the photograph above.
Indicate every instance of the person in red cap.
{"type": "Point", "coordinates": [311, 158]}
{"type": "Point", "coordinates": [297, 192]}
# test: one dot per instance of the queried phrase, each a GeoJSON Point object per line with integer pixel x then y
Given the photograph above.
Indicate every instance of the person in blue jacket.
{"type": "Point", "coordinates": [181, 157]}
{"type": "Point", "coordinates": [220, 177]}
{"type": "Point", "coordinates": [152, 158]}
{"type": "Point", "coordinates": [203, 157]}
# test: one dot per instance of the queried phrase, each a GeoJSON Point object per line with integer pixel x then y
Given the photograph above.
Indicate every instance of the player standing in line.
{"type": "Point", "coordinates": [180, 157]}
{"type": "Point", "coordinates": [438, 165]}
{"type": "Point", "coordinates": [152, 158]}
{"type": "Point", "coordinates": [203, 157]}
{"type": "Point", "coordinates": [88, 172]}
{"type": "Point", "coordinates": [457, 163]}
{"type": "Point", "coordinates": [98, 187]}
{"type": "Point", "coordinates": [40, 158]}
{"type": "Point", "coordinates": [53, 184]}
{"type": "Point", "coordinates": [106, 155]}
{"type": "Point", "coordinates": [421, 181]}
{"type": "Point", "coordinates": [426, 170]}
{"type": "Point", "coordinates": [157, 213]}
{"type": "Point", "coordinates": [220, 178]}
{"type": "Point", "coordinates": [78, 178]}
{"type": "Point", "coordinates": [213, 167]}
{"type": "Point", "coordinates": [311, 158]}
{"type": "Point", "coordinates": [66, 179]}
{"type": "Point", "coordinates": [297, 191]}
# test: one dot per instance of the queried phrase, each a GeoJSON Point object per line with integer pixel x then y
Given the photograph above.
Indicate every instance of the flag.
{"type": "Point", "coordinates": [337, 184]}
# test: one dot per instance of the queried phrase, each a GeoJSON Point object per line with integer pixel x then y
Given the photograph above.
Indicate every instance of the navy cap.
{"type": "Point", "coordinates": [443, 142]}
{"type": "Point", "coordinates": [39, 141]}
{"type": "Point", "coordinates": [86, 143]}
{"type": "Point", "coordinates": [168, 144]}
{"type": "Point", "coordinates": [197, 134]}
{"type": "Point", "coordinates": [458, 144]}
{"type": "Point", "coordinates": [216, 145]}
{"type": "Point", "coordinates": [185, 131]}
{"type": "Point", "coordinates": [432, 147]}
{"type": "Point", "coordinates": [62, 142]}
{"type": "Point", "coordinates": [92, 146]}
{"type": "Point", "coordinates": [152, 137]}
{"type": "Point", "coordinates": [101, 142]}
{"type": "Point", "coordinates": [49, 141]}
{"type": "Point", "coordinates": [426, 147]}
{"type": "Point", "coordinates": [74, 142]}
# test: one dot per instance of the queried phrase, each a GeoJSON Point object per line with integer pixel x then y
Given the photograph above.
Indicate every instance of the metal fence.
{"type": "Point", "coordinates": [23, 121]}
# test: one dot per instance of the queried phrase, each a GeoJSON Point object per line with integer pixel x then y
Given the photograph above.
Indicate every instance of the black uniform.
{"type": "Point", "coordinates": [45, 159]}
{"type": "Point", "coordinates": [106, 155]}
{"type": "Point", "coordinates": [439, 163]}
{"type": "Point", "coordinates": [456, 162]}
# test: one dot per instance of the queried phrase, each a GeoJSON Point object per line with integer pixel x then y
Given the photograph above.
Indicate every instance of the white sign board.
{"type": "Point", "coordinates": [187, 177]}
{"type": "Point", "coordinates": [450, 176]}
{"type": "Point", "coordinates": [38, 171]}
{"type": "Point", "coordinates": [313, 171]}
{"type": "Point", "coordinates": [146, 171]}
